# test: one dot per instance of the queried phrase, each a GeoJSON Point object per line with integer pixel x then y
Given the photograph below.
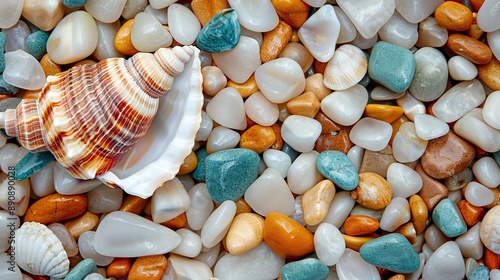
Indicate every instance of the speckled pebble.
{"type": "Point", "coordinates": [447, 218]}
{"type": "Point", "coordinates": [36, 43]}
{"type": "Point", "coordinates": [82, 269]}
{"type": "Point", "coordinates": [221, 33]}
{"type": "Point", "coordinates": [3, 40]}
{"type": "Point", "coordinates": [480, 273]}
{"type": "Point", "coordinates": [392, 66]}
{"type": "Point", "coordinates": [199, 172]}
{"type": "Point", "coordinates": [229, 173]}
{"type": "Point", "coordinates": [31, 163]}
{"type": "Point", "coordinates": [337, 167]}
{"type": "Point", "coordinates": [73, 3]}
{"type": "Point", "coordinates": [306, 269]}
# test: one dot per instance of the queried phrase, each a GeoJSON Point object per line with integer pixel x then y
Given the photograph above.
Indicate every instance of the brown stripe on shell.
{"type": "Point", "coordinates": [29, 132]}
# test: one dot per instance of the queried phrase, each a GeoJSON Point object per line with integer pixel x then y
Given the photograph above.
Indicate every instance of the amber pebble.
{"type": "Point", "coordinates": [79, 225]}
{"type": "Point", "coordinates": [377, 162]}
{"type": "Point", "coordinates": [355, 242]}
{"type": "Point", "coordinates": [333, 136]}
{"type": "Point", "coordinates": [306, 104]}
{"type": "Point", "coordinates": [245, 89]}
{"type": "Point", "coordinates": [408, 231]}
{"type": "Point", "coordinates": [119, 268]}
{"type": "Point", "coordinates": [316, 202]}
{"type": "Point", "coordinates": [472, 214]}
{"type": "Point", "coordinates": [373, 191]}
{"type": "Point", "coordinates": [178, 222]}
{"type": "Point", "coordinates": [489, 73]}
{"type": "Point", "coordinates": [386, 113]}
{"type": "Point", "coordinates": [148, 268]}
{"type": "Point", "coordinates": [294, 12]}
{"type": "Point", "coordinates": [419, 213]}
{"type": "Point", "coordinates": [286, 237]}
{"type": "Point", "coordinates": [360, 225]}
{"type": "Point", "coordinates": [319, 67]}
{"type": "Point", "coordinates": [476, 4]}
{"type": "Point", "coordinates": [123, 39]}
{"type": "Point", "coordinates": [55, 208]}
{"type": "Point", "coordinates": [491, 259]}
{"type": "Point", "coordinates": [432, 191]}
{"type": "Point", "coordinates": [396, 125]}
{"type": "Point", "coordinates": [245, 233]}
{"type": "Point", "coordinates": [295, 36]}
{"type": "Point", "coordinates": [397, 277]}
{"type": "Point", "coordinates": [274, 41]}
{"type": "Point", "coordinates": [470, 48]}
{"type": "Point", "coordinates": [206, 10]}
{"type": "Point", "coordinates": [189, 164]}
{"type": "Point", "coordinates": [49, 67]}
{"type": "Point", "coordinates": [453, 16]}
{"type": "Point", "coordinates": [475, 31]}
{"type": "Point", "coordinates": [258, 138]}
{"type": "Point", "coordinates": [496, 198]}
{"type": "Point", "coordinates": [314, 83]}
{"type": "Point", "coordinates": [133, 204]}
{"type": "Point", "coordinates": [242, 206]}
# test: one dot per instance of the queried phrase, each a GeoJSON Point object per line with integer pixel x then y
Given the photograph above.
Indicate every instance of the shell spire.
{"type": "Point", "coordinates": [90, 115]}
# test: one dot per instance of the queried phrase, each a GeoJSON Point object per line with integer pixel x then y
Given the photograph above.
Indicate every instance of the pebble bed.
{"type": "Point", "coordinates": [339, 140]}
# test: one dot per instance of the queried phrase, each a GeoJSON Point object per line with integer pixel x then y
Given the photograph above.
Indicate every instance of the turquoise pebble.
{"type": "Point", "coordinates": [337, 167]}
{"type": "Point", "coordinates": [3, 40]}
{"type": "Point", "coordinates": [293, 154]}
{"type": "Point", "coordinates": [199, 172]}
{"type": "Point", "coordinates": [6, 88]}
{"type": "Point", "coordinates": [497, 157]}
{"type": "Point", "coordinates": [229, 173]}
{"type": "Point", "coordinates": [31, 163]}
{"type": "Point", "coordinates": [447, 218]}
{"type": "Point", "coordinates": [36, 43]}
{"type": "Point", "coordinates": [73, 3]}
{"type": "Point", "coordinates": [393, 252]}
{"type": "Point", "coordinates": [221, 33]}
{"type": "Point", "coordinates": [82, 269]}
{"type": "Point", "coordinates": [391, 66]}
{"type": "Point", "coordinates": [306, 269]}
{"type": "Point", "coordinates": [480, 273]}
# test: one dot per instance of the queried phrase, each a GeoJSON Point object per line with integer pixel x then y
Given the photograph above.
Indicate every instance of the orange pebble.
{"type": "Point", "coordinates": [189, 164]}
{"type": "Point", "coordinates": [278, 144]}
{"type": "Point", "coordinates": [123, 39]}
{"type": "Point", "coordinates": [306, 104]}
{"type": "Point", "coordinates": [133, 204]}
{"type": "Point", "coordinates": [119, 268]}
{"type": "Point", "coordinates": [294, 12]}
{"type": "Point", "coordinates": [355, 242]}
{"type": "Point", "coordinates": [476, 4]}
{"type": "Point", "coordinates": [49, 67]}
{"type": "Point", "coordinates": [206, 10]}
{"type": "Point", "coordinates": [319, 67]}
{"type": "Point", "coordinates": [419, 213]}
{"type": "Point", "coordinates": [245, 89]}
{"type": "Point", "coordinates": [472, 214]}
{"type": "Point", "coordinates": [453, 16]}
{"type": "Point", "coordinates": [148, 268]}
{"type": "Point", "coordinates": [258, 138]}
{"type": "Point", "coordinates": [55, 208]}
{"type": "Point", "coordinates": [489, 73]}
{"type": "Point", "coordinates": [360, 225]}
{"type": "Point", "coordinates": [470, 48]}
{"type": "Point", "coordinates": [491, 259]}
{"type": "Point", "coordinates": [386, 113]}
{"type": "Point", "coordinates": [81, 224]}
{"type": "Point", "coordinates": [242, 206]}
{"type": "Point", "coordinates": [286, 237]}
{"type": "Point", "coordinates": [177, 222]}
{"type": "Point", "coordinates": [274, 41]}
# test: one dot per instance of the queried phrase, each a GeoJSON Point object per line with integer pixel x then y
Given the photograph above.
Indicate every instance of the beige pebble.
{"type": "Point", "coordinates": [306, 104]}
{"type": "Point", "coordinates": [245, 233]}
{"type": "Point", "coordinates": [316, 202]}
{"type": "Point", "coordinates": [373, 191]}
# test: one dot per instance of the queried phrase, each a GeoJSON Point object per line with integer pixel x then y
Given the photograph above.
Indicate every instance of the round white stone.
{"type": "Point", "coordinates": [22, 70]}
{"type": "Point", "coordinates": [257, 15]}
{"type": "Point", "coordinates": [345, 107]}
{"type": "Point", "coordinates": [300, 132]}
{"type": "Point", "coordinates": [371, 134]}
{"type": "Point", "coordinates": [190, 245]}
{"type": "Point", "coordinates": [303, 174]}
{"type": "Point", "coordinates": [239, 63]}
{"type": "Point", "coordinates": [183, 24]}
{"type": "Point", "coordinates": [227, 109]}
{"type": "Point", "coordinates": [445, 263]}
{"type": "Point", "coordinates": [461, 69]}
{"type": "Point", "coordinates": [278, 160]}
{"type": "Point", "coordinates": [148, 35]}
{"type": "Point", "coordinates": [260, 110]}
{"type": "Point", "coordinates": [329, 244]}
{"type": "Point", "coordinates": [478, 195]}
{"type": "Point", "coordinates": [404, 181]}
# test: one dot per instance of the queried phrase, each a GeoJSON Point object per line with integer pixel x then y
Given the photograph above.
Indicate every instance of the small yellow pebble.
{"type": "Point", "coordinates": [245, 233]}
{"type": "Point", "coordinates": [245, 89]}
{"type": "Point", "coordinates": [258, 138]}
{"type": "Point", "coordinates": [123, 39]}
{"type": "Point", "coordinates": [306, 104]}
{"type": "Point", "coordinates": [386, 113]}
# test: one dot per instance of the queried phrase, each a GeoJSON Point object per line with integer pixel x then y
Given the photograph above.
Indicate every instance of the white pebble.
{"type": "Point", "coordinates": [64, 183]}
{"type": "Point", "coordinates": [470, 244]}
{"type": "Point", "coordinates": [222, 138]}
{"type": "Point", "coordinates": [300, 132]}
{"type": "Point", "coordinates": [368, 15]}
{"type": "Point", "coordinates": [303, 174]}
{"type": "Point", "coordinates": [260, 110]}
{"type": "Point", "coordinates": [169, 201]}
{"type": "Point", "coordinates": [355, 154]}
{"type": "Point", "coordinates": [106, 37]}
{"type": "Point", "coordinates": [406, 145]}
{"type": "Point", "coordinates": [16, 37]}
{"type": "Point", "coordinates": [148, 35]}
{"type": "Point", "coordinates": [42, 181]}
{"type": "Point", "coordinates": [190, 245]}
{"type": "Point", "coordinates": [104, 199]}
{"type": "Point", "coordinates": [278, 160]}
{"type": "Point", "coordinates": [206, 127]}
{"type": "Point", "coordinates": [227, 108]}
{"type": "Point", "coordinates": [351, 266]}
{"type": "Point", "coordinates": [461, 69]}
{"type": "Point", "coordinates": [184, 268]}
{"type": "Point", "coordinates": [10, 12]}
{"type": "Point", "coordinates": [399, 31]}
{"type": "Point", "coordinates": [488, 17]}
{"type": "Point", "coordinates": [371, 134]}
{"type": "Point", "coordinates": [395, 214]}
{"type": "Point", "coordinates": [160, 4]}
{"type": "Point", "coordinates": [329, 244]}
{"type": "Point", "coordinates": [493, 39]}
{"type": "Point", "coordinates": [487, 172]}
{"type": "Point", "coordinates": [257, 15]}
{"type": "Point", "coordinates": [183, 24]}
{"type": "Point", "coordinates": [478, 195]}
{"type": "Point", "coordinates": [105, 11]}
{"type": "Point", "coordinates": [201, 206]}
{"type": "Point", "coordinates": [429, 127]}
{"type": "Point", "coordinates": [159, 14]}
{"type": "Point", "coordinates": [217, 224]}
{"type": "Point", "coordinates": [445, 263]}
{"type": "Point", "coordinates": [339, 210]}
{"type": "Point", "coordinates": [22, 70]}
{"type": "Point", "coordinates": [404, 181]}
{"type": "Point", "coordinates": [411, 105]}
{"type": "Point", "coordinates": [239, 63]}
{"type": "Point", "coordinates": [21, 198]}
{"type": "Point", "coordinates": [474, 129]}
{"type": "Point", "coordinates": [86, 248]}
{"type": "Point", "coordinates": [491, 113]}
{"type": "Point", "coordinates": [347, 29]}
{"type": "Point", "coordinates": [345, 107]}
{"type": "Point", "coordinates": [416, 13]}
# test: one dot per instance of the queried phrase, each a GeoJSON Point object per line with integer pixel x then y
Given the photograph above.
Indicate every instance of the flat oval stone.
{"type": "Point", "coordinates": [473, 128]}
{"type": "Point", "coordinates": [280, 88]}
{"type": "Point", "coordinates": [308, 268]}
{"type": "Point", "coordinates": [470, 48]}
{"type": "Point", "coordinates": [447, 218]}
{"type": "Point", "coordinates": [229, 173]}
{"type": "Point", "coordinates": [328, 243]}
{"type": "Point", "coordinates": [227, 109]}
{"type": "Point", "coordinates": [431, 75]}
{"type": "Point", "coordinates": [446, 261]}
{"type": "Point", "coordinates": [478, 195]}
{"type": "Point", "coordinates": [357, 225]}
{"type": "Point", "coordinates": [148, 34]}
{"type": "Point", "coordinates": [454, 16]}
{"type": "Point", "coordinates": [258, 138]}
{"type": "Point", "coordinates": [461, 69]}
{"type": "Point", "coordinates": [337, 167]}
{"type": "Point", "coordinates": [371, 134]}
{"type": "Point", "coordinates": [142, 236]}
{"type": "Point", "coordinates": [489, 72]}
{"type": "Point", "coordinates": [368, 16]}
{"type": "Point", "coordinates": [300, 132]}
{"type": "Point", "coordinates": [392, 66]}
{"type": "Point", "coordinates": [183, 24]}
{"type": "Point", "coordinates": [221, 33]}
{"type": "Point", "coordinates": [239, 63]}
{"type": "Point", "coordinates": [257, 16]}
{"type": "Point", "coordinates": [55, 208]}
{"type": "Point", "coordinates": [22, 70]}
{"type": "Point", "coordinates": [393, 252]}
{"type": "Point", "coordinates": [345, 107]}
{"type": "Point", "coordinates": [274, 41]}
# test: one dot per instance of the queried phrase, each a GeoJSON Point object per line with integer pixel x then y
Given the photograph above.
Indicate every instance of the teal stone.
{"type": "Point", "coordinates": [3, 40]}
{"type": "Point", "coordinates": [82, 269]}
{"type": "Point", "coordinates": [392, 66]}
{"type": "Point", "coordinates": [6, 88]}
{"type": "Point", "coordinates": [497, 157]}
{"type": "Point", "coordinates": [306, 269]}
{"type": "Point", "coordinates": [337, 167]}
{"type": "Point", "coordinates": [73, 3]}
{"type": "Point", "coordinates": [393, 252]}
{"type": "Point", "coordinates": [293, 154]}
{"type": "Point", "coordinates": [221, 33]}
{"type": "Point", "coordinates": [199, 172]}
{"type": "Point", "coordinates": [36, 43]}
{"type": "Point", "coordinates": [480, 273]}
{"type": "Point", "coordinates": [31, 163]}
{"type": "Point", "coordinates": [447, 218]}
{"type": "Point", "coordinates": [229, 173]}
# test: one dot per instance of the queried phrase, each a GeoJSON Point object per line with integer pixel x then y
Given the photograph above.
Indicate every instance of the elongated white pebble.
{"type": "Point", "coordinates": [303, 174]}
{"type": "Point", "coordinates": [300, 132]}
{"type": "Point", "coordinates": [487, 172]}
{"type": "Point", "coordinates": [371, 134]}
{"type": "Point", "coordinates": [395, 214]}
{"type": "Point", "coordinates": [217, 224]}
{"type": "Point", "coordinates": [340, 208]}
{"type": "Point", "coordinates": [201, 206]}
{"type": "Point", "coordinates": [169, 201]}
{"type": "Point", "coordinates": [355, 154]}
{"type": "Point", "coordinates": [474, 129]}
{"type": "Point", "coordinates": [329, 244]}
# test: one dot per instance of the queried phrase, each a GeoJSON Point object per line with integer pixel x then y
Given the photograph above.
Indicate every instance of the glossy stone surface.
{"type": "Point", "coordinates": [371, 134]}
{"type": "Point", "coordinates": [227, 109]}
{"type": "Point", "coordinates": [473, 128]}
{"type": "Point", "coordinates": [239, 63]}
{"type": "Point", "coordinates": [308, 268]}
{"type": "Point", "coordinates": [221, 33]}
{"type": "Point", "coordinates": [22, 70]}
{"type": "Point", "coordinates": [352, 266]}
{"type": "Point", "coordinates": [445, 262]}
{"type": "Point", "coordinates": [447, 218]}
{"type": "Point", "coordinates": [56, 207]}
{"type": "Point", "coordinates": [337, 167]}
{"type": "Point", "coordinates": [217, 224]}
{"type": "Point", "coordinates": [259, 16]}
{"type": "Point", "coordinates": [368, 16]}
{"type": "Point", "coordinates": [431, 75]}
{"type": "Point", "coordinates": [328, 243]}
{"type": "Point", "coordinates": [300, 132]}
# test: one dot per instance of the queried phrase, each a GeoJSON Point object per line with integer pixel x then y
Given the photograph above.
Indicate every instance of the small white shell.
{"type": "Point", "coordinates": [346, 68]}
{"type": "Point", "coordinates": [39, 251]}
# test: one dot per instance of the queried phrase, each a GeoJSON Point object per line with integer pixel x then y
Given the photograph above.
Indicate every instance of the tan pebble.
{"type": "Point", "coordinates": [49, 67]}
{"type": "Point", "coordinates": [242, 206]}
{"type": "Point", "coordinates": [373, 191]}
{"type": "Point", "coordinates": [470, 48]}
{"type": "Point", "coordinates": [295, 36]}
{"type": "Point", "coordinates": [447, 155]}
{"type": "Point", "coordinates": [258, 138]}
{"type": "Point", "coordinates": [386, 113]}
{"type": "Point", "coordinates": [377, 162]}
{"type": "Point", "coordinates": [245, 233]}
{"type": "Point", "coordinates": [453, 16]}
{"type": "Point", "coordinates": [474, 30]}
{"type": "Point", "coordinates": [314, 83]}
{"type": "Point", "coordinates": [189, 164]}
{"type": "Point", "coordinates": [432, 191]}
{"type": "Point", "coordinates": [43, 14]}
{"type": "Point", "coordinates": [419, 213]}
{"type": "Point", "coordinates": [333, 136]}
{"type": "Point", "coordinates": [274, 41]}
{"type": "Point", "coordinates": [119, 268]}
{"type": "Point", "coordinates": [306, 104]}
{"type": "Point", "coordinates": [496, 198]}
{"type": "Point", "coordinates": [397, 277]}
{"type": "Point", "coordinates": [278, 144]}
{"type": "Point", "coordinates": [206, 10]}
{"type": "Point", "coordinates": [133, 204]}
{"type": "Point", "coordinates": [490, 73]}
{"type": "Point", "coordinates": [360, 225]}
{"type": "Point", "coordinates": [55, 208]}
{"type": "Point", "coordinates": [123, 39]}
{"type": "Point", "coordinates": [316, 202]}
{"type": "Point", "coordinates": [148, 268]}
{"type": "Point", "coordinates": [245, 89]}
{"type": "Point", "coordinates": [299, 53]}
{"type": "Point", "coordinates": [355, 242]}
{"type": "Point", "coordinates": [79, 225]}
{"type": "Point", "coordinates": [408, 231]}
{"type": "Point", "coordinates": [294, 12]}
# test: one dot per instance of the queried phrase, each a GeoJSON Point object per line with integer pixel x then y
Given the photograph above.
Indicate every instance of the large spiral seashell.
{"type": "Point", "coordinates": [90, 115]}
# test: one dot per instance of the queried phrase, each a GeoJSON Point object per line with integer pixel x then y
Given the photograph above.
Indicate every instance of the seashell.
{"type": "Point", "coordinates": [346, 68]}
{"type": "Point", "coordinates": [373, 191]}
{"type": "Point", "coordinates": [92, 116]}
{"type": "Point", "coordinates": [39, 251]}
